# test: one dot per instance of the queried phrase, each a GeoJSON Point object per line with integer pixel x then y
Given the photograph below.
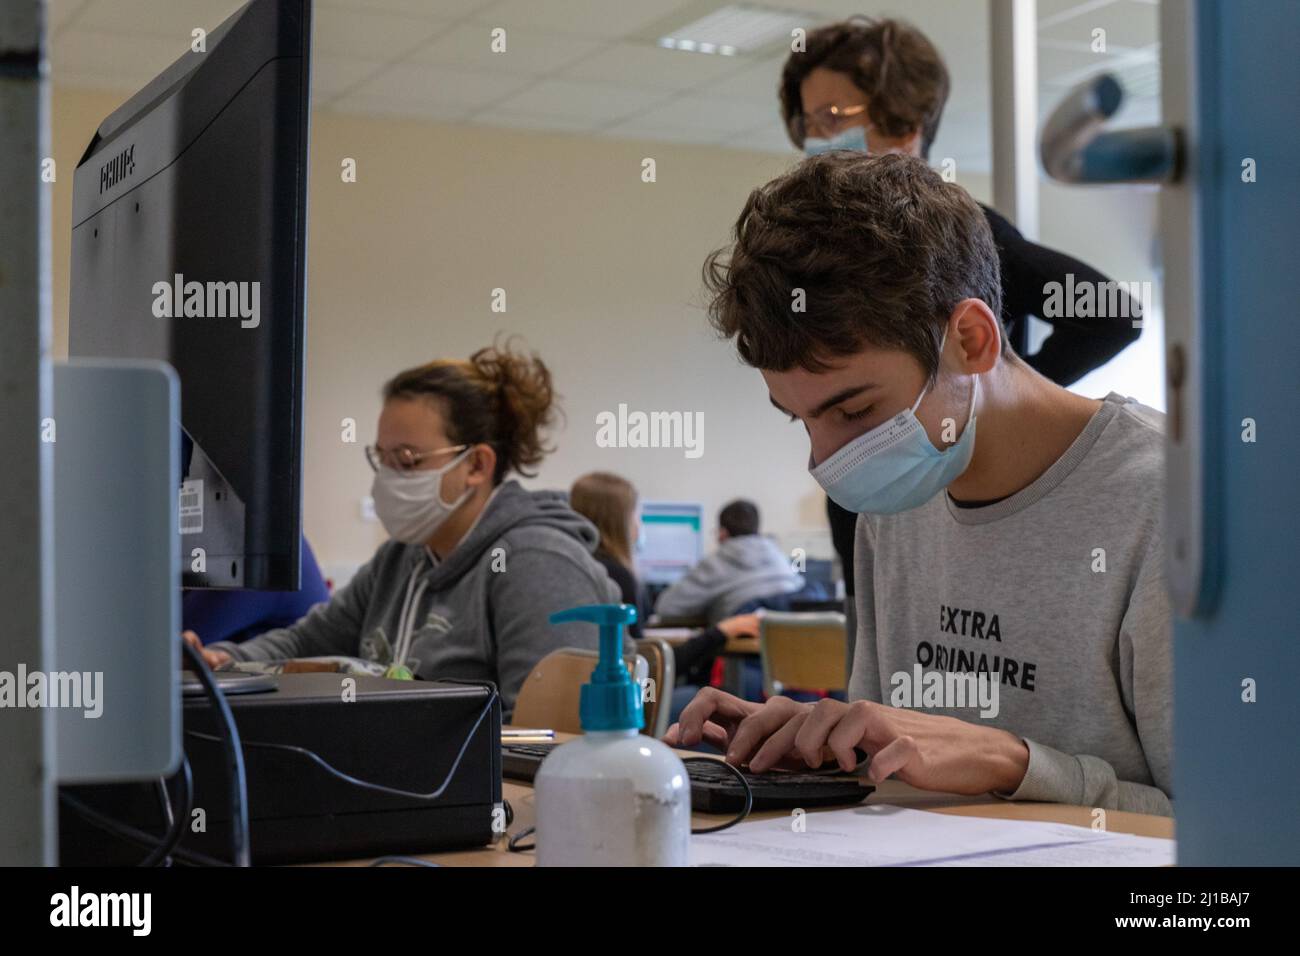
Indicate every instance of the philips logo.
{"type": "Point", "coordinates": [117, 168]}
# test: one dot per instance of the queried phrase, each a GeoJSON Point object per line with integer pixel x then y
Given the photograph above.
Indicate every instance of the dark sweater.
{"type": "Point", "coordinates": [1076, 346]}
{"type": "Point", "coordinates": [629, 590]}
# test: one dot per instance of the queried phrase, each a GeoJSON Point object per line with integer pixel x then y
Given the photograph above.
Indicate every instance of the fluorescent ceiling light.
{"type": "Point", "coordinates": [736, 28]}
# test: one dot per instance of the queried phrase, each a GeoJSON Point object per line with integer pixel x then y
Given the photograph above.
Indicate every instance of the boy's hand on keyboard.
{"type": "Point", "coordinates": [736, 727]}
{"type": "Point", "coordinates": [928, 751]}
{"type": "Point", "coordinates": [216, 659]}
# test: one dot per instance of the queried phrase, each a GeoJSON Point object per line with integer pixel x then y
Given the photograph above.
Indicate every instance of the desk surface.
{"type": "Point", "coordinates": [894, 792]}
{"type": "Point", "coordinates": [743, 645]}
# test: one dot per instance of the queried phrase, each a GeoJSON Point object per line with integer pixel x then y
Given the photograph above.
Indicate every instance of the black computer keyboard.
{"type": "Point", "coordinates": [715, 789]}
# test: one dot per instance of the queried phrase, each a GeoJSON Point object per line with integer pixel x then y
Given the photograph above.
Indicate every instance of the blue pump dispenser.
{"type": "Point", "coordinates": [611, 700]}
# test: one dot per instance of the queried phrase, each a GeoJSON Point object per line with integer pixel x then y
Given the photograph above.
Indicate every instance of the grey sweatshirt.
{"type": "Point", "coordinates": [479, 614]}
{"type": "Point", "coordinates": [1083, 656]}
{"type": "Point", "coordinates": [741, 570]}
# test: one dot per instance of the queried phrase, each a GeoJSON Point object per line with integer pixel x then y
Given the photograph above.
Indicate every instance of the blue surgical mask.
{"type": "Point", "coordinates": [855, 137]}
{"type": "Point", "coordinates": [894, 467]}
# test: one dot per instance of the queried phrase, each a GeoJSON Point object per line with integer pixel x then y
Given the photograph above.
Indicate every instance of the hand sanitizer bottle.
{"type": "Point", "coordinates": [612, 797]}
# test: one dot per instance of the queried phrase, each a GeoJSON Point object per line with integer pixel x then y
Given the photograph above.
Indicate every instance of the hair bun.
{"type": "Point", "coordinates": [525, 400]}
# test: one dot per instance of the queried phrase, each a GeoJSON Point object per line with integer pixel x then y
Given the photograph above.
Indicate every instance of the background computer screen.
{"type": "Point", "coordinates": [671, 540]}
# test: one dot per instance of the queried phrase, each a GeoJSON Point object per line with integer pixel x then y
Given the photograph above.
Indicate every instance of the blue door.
{"type": "Point", "coordinates": [1237, 642]}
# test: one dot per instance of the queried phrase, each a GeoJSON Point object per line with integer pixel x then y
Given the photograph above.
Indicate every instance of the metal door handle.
{"type": "Point", "coordinates": [1075, 149]}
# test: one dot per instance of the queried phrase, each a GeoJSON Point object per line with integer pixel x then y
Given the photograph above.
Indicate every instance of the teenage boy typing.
{"type": "Point", "coordinates": [1009, 529]}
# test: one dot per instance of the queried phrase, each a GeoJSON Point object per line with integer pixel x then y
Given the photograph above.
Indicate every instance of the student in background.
{"type": "Point", "coordinates": [237, 615]}
{"type": "Point", "coordinates": [745, 572]}
{"type": "Point", "coordinates": [476, 564]}
{"type": "Point", "coordinates": [610, 503]}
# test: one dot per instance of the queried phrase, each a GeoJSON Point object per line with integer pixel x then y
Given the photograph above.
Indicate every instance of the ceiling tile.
{"type": "Point", "coordinates": [100, 82]}
{"type": "Point", "coordinates": [532, 121]}
{"type": "Point", "coordinates": [61, 11]}
{"type": "Point", "coordinates": [1128, 24]}
{"type": "Point", "coordinates": [403, 108]}
{"type": "Point", "coordinates": [370, 36]}
{"type": "Point", "coordinates": [435, 9]}
{"type": "Point", "coordinates": [133, 60]}
{"type": "Point", "coordinates": [838, 9]}
{"type": "Point", "coordinates": [175, 18]}
{"type": "Point", "coordinates": [1061, 11]}
{"type": "Point", "coordinates": [332, 75]}
{"type": "Point", "coordinates": [710, 113]}
{"type": "Point", "coordinates": [758, 81]}
{"type": "Point", "coordinates": [635, 129]}
{"type": "Point", "coordinates": [441, 87]}
{"type": "Point", "coordinates": [640, 64]}
{"type": "Point", "coordinates": [599, 103]}
{"type": "Point", "coordinates": [598, 18]}
{"type": "Point", "coordinates": [526, 52]}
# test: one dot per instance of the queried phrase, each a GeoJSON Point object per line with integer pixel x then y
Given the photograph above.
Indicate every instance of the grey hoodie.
{"type": "Point", "coordinates": [741, 570]}
{"type": "Point", "coordinates": [479, 614]}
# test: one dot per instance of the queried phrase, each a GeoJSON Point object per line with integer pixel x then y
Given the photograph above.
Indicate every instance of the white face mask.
{"type": "Point", "coordinates": [410, 505]}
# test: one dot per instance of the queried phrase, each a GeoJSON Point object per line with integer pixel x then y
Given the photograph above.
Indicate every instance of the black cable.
{"type": "Point", "coordinates": [169, 819]}
{"type": "Point", "coordinates": [749, 796]}
{"type": "Point", "coordinates": [160, 849]}
{"type": "Point", "coordinates": [240, 850]}
{"type": "Point", "coordinates": [177, 822]}
{"type": "Point", "coordinates": [133, 835]}
{"type": "Point", "coordinates": [513, 844]}
{"type": "Point", "coordinates": [402, 860]}
{"type": "Point", "coordinates": [365, 784]}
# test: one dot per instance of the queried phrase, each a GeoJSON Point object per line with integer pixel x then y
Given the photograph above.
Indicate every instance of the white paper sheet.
{"type": "Point", "coordinates": [886, 835]}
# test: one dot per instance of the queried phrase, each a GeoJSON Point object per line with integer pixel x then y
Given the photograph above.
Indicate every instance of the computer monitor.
{"type": "Point", "coordinates": [189, 246]}
{"type": "Point", "coordinates": [671, 540]}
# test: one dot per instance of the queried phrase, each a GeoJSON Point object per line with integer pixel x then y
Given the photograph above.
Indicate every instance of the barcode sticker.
{"type": "Point", "coordinates": [191, 506]}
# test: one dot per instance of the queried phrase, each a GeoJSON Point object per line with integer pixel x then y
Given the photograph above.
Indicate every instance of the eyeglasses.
{"type": "Point", "coordinates": [826, 120]}
{"type": "Point", "coordinates": [404, 458]}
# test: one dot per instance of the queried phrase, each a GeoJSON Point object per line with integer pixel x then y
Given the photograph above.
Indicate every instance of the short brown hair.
{"type": "Point", "coordinates": [878, 249]}
{"type": "Point", "coordinates": [891, 61]}
{"type": "Point", "coordinates": [499, 397]}
{"type": "Point", "coordinates": [739, 518]}
{"type": "Point", "coordinates": [607, 501]}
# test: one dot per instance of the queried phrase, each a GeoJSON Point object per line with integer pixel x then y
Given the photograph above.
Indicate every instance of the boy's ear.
{"type": "Point", "coordinates": [974, 326]}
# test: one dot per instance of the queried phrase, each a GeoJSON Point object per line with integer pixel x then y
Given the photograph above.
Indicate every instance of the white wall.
{"type": "Point", "coordinates": [602, 277]}
{"type": "Point", "coordinates": [1113, 228]}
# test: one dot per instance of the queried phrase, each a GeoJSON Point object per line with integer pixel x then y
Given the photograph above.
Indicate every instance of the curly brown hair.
{"type": "Point", "coordinates": [498, 397]}
{"type": "Point", "coordinates": [878, 248]}
{"type": "Point", "coordinates": [891, 61]}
